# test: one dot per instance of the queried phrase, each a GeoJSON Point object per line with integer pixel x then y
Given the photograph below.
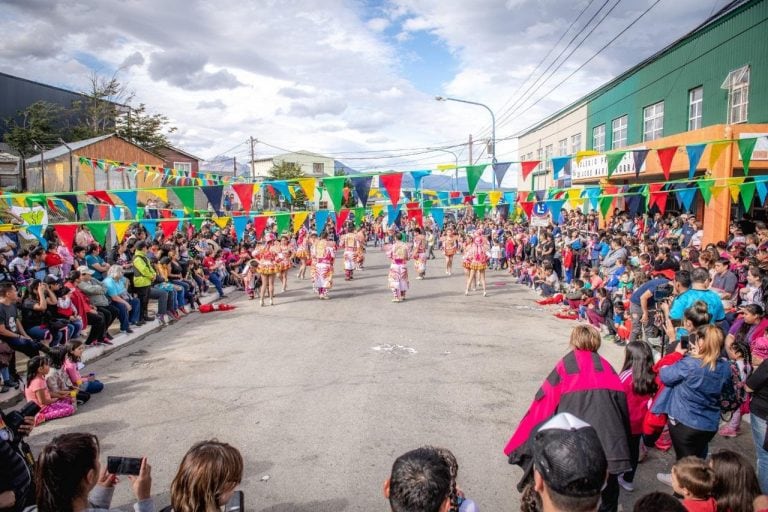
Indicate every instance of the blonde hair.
{"type": "Point", "coordinates": [585, 337]}
{"type": "Point", "coordinates": [710, 341]}
{"type": "Point", "coordinates": [208, 470]}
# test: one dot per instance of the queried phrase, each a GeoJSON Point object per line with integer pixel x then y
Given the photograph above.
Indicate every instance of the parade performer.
{"type": "Point", "coordinates": [284, 257]}
{"type": "Point", "coordinates": [302, 253]}
{"type": "Point", "coordinates": [477, 256]}
{"type": "Point", "coordinates": [267, 257]}
{"type": "Point", "coordinates": [323, 253]}
{"type": "Point", "coordinates": [398, 270]}
{"type": "Point", "coordinates": [362, 239]}
{"type": "Point", "coordinates": [251, 278]}
{"type": "Point", "coordinates": [450, 246]}
{"type": "Point", "coordinates": [349, 243]}
{"type": "Point", "coordinates": [419, 253]}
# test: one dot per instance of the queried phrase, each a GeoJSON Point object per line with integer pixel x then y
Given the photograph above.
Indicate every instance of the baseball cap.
{"type": "Point", "coordinates": [84, 270]}
{"type": "Point", "coordinates": [569, 457]}
{"type": "Point", "coordinates": [51, 279]}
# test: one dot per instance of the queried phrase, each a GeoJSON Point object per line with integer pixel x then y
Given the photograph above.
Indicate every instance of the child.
{"type": "Point", "coordinates": [693, 479]}
{"type": "Point", "coordinates": [602, 313]}
{"type": "Point", "coordinates": [496, 256]}
{"type": "Point", "coordinates": [251, 279]}
{"type": "Point", "coordinates": [19, 266]}
{"type": "Point", "coordinates": [75, 349]}
{"type": "Point", "coordinates": [66, 309]}
{"type": "Point", "coordinates": [550, 284]}
{"type": "Point", "coordinates": [59, 382]}
{"type": "Point", "coordinates": [639, 382]}
{"type": "Point", "coordinates": [459, 502]}
{"type": "Point", "coordinates": [624, 291]}
{"type": "Point", "coordinates": [739, 353]}
{"type": "Point", "coordinates": [595, 281]}
{"type": "Point", "coordinates": [37, 391]}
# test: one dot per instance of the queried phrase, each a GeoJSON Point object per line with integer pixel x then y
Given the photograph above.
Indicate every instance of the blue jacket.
{"type": "Point", "coordinates": [692, 393]}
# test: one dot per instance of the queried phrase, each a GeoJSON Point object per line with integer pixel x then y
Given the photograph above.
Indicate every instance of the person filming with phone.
{"type": "Point", "coordinates": [16, 485]}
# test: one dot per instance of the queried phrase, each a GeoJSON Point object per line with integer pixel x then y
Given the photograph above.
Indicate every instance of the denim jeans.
{"type": "Point", "coordinates": [162, 299]}
{"type": "Point", "coordinates": [216, 281]}
{"type": "Point", "coordinates": [40, 333]}
{"type": "Point", "coordinates": [26, 346]}
{"type": "Point", "coordinates": [127, 318]}
{"type": "Point", "coordinates": [758, 436]}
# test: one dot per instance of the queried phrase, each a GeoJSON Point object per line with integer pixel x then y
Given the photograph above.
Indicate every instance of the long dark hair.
{"type": "Point", "coordinates": [34, 364]}
{"type": "Point", "coordinates": [61, 468]}
{"type": "Point", "coordinates": [736, 484]}
{"type": "Point", "coordinates": [639, 358]}
{"type": "Point", "coordinates": [754, 309]}
{"type": "Point", "coordinates": [71, 346]}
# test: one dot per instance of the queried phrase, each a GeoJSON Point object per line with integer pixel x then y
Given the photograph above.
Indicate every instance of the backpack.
{"type": "Point", "coordinates": [733, 395]}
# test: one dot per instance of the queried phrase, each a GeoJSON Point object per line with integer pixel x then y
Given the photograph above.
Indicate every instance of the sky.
{"type": "Point", "coordinates": [355, 80]}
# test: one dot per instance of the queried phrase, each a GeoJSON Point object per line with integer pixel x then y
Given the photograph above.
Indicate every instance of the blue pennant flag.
{"type": "Point", "coordinates": [128, 197]}
{"type": "Point", "coordinates": [510, 197]}
{"type": "Point", "coordinates": [214, 194]}
{"type": "Point", "coordinates": [321, 218]}
{"type": "Point", "coordinates": [694, 155]}
{"type": "Point", "coordinates": [151, 226]}
{"type": "Point", "coordinates": [179, 214]}
{"type": "Point", "coordinates": [392, 213]}
{"type": "Point", "coordinates": [558, 163]}
{"type": "Point", "coordinates": [439, 215]}
{"type": "Point", "coordinates": [443, 197]}
{"type": "Point", "coordinates": [685, 197]}
{"type": "Point", "coordinates": [417, 177]}
{"type": "Point", "coordinates": [762, 187]}
{"type": "Point", "coordinates": [117, 212]}
{"type": "Point", "coordinates": [37, 231]}
{"type": "Point", "coordinates": [239, 222]}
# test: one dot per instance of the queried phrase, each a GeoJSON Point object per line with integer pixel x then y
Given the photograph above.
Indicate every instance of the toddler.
{"type": "Point", "coordinates": [693, 479]}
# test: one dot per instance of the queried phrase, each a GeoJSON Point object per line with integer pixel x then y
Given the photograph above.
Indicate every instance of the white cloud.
{"type": "Point", "coordinates": [378, 24]}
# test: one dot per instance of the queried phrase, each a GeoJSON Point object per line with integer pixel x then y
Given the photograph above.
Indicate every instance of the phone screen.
{"type": "Point", "coordinates": [685, 341]}
{"type": "Point", "coordinates": [235, 503]}
{"type": "Point", "coordinates": [123, 465]}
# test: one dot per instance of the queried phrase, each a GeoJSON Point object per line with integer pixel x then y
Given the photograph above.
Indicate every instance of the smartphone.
{"type": "Point", "coordinates": [235, 503]}
{"type": "Point", "coordinates": [685, 341]}
{"type": "Point", "coordinates": [15, 419]}
{"type": "Point", "coordinates": [123, 465]}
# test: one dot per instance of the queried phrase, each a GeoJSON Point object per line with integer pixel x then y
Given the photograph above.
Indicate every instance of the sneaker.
{"type": "Point", "coordinates": [627, 486]}
{"type": "Point", "coordinates": [728, 432]}
{"type": "Point", "coordinates": [665, 478]}
{"type": "Point", "coordinates": [108, 336]}
{"type": "Point", "coordinates": [127, 331]}
{"type": "Point", "coordinates": [105, 341]}
{"type": "Point", "coordinates": [5, 388]}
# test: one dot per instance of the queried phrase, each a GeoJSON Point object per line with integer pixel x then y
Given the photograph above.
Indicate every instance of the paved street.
{"type": "Point", "coordinates": [322, 396]}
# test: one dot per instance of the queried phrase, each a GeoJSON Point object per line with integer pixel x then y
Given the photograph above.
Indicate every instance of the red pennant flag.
{"type": "Point", "coordinates": [528, 167]}
{"type": "Point", "coordinates": [244, 192]}
{"type": "Point", "coordinates": [345, 194]}
{"type": "Point", "coordinates": [103, 212]}
{"type": "Point", "coordinates": [455, 194]}
{"type": "Point", "coordinates": [665, 157]}
{"type": "Point", "coordinates": [342, 217]}
{"type": "Point", "coordinates": [656, 197]}
{"type": "Point", "coordinates": [527, 207]}
{"type": "Point", "coordinates": [468, 199]}
{"type": "Point", "coordinates": [165, 213]}
{"type": "Point", "coordinates": [169, 227]}
{"type": "Point", "coordinates": [391, 183]}
{"type": "Point", "coordinates": [101, 195]}
{"type": "Point", "coordinates": [66, 233]}
{"type": "Point", "coordinates": [259, 223]}
{"type": "Point", "coordinates": [416, 214]}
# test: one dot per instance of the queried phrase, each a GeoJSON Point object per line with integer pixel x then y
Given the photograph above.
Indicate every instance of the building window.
{"type": "Point", "coordinates": [737, 85]}
{"type": "Point", "coordinates": [539, 181]}
{"type": "Point", "coordinates": [619, 132]}
{"type": "Point", "coordinates": [539, 155]}
{"type": "Point", "coordinates": [575, 143]}
{"type": "Point", "coordinates": [598, 138]}
{"type": "Point", "coordinates": [318, 168]}
{"type": "Point", "coordinates": [695, 104]}
{"type": "Point", "coordinates": [653, 121]}
{"type": "Point", "coordinates": [322, 205]}
{"type": "Point", "coordinates": [562, 147]}
{"type": "Point", "coordinates": [548, 156]}
{"type": "Point", "coordinates": [183, 166]}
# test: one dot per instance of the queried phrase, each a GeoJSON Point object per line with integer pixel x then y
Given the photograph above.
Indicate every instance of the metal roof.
{"type": "Point", "coordinates": [59, 151]}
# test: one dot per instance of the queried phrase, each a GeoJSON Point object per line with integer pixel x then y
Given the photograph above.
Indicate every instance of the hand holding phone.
{"type": "Point", "coordinates": [123, 465]}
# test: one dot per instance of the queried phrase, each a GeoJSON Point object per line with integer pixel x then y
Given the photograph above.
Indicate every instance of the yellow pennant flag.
{"type": "Point", "coordinates": [256, 187]}
{"type": "Point", "coordinates": [120, 228]}
{"type": "Point", "coordinates": [20, 200]}
{"type": "Point", "coordinates": [298, 220]}
{"type": "Point", "coordinates": [161, 193]}
{"type": "Point", "coordinates": [715, 150]}
{"type": "Point", "coordinates": [585, 154]}
{"type": "Point", "coordinates": [494, 196]}
{"type": "Point", "coordinates": [717, 189]}
{"type": "Point", "coordinates": [445, 167]}
{"type": "Point", "coordinates": [377, 209]}
{"type": "Point", "coordinates": [734, 186]}
{"type": "Point", "coordinates": [221, 221]}
{"type": "Point", "coordinates": [292, 191]}
{"type": "Point", "coordinates": [308, 186]}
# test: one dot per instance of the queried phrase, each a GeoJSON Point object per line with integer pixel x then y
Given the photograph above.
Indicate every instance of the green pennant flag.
{"type": "Point", "coordinates": [747, 193]}
{"type": "Point", "coordinates": [359, 215]}
{"type": "Point", "coordinates": [187, 197]}
{"type": "Point", "coordinates": [746, 146]}
{"type": "Point", "coordinates": [35, 198]}
{"type": "Point", "coordinates": [473, 176]}
{"type": "Point", "coordinates": [283, 221]}
{"type": "Point", "coordinates": [479, 210]}
{"type": "Point", "coordinates": [481, 196]}
{"type": "Point", "coordinates": [99, 231]}
{"type": "Point", "coordinates": [605, 204]}
{"type": "Point", "coordinates": [140, 214]}
{"type": "Point", "coordinates": [197, 222]}
{"type": "Point", "coordinates": [427, 206]}
{"type": "Point", "coordinates": [335, 188]}
{"type": "Point", "coordinates": [613, 159]}
{"type": "Point", "coordinates": [705, 186]}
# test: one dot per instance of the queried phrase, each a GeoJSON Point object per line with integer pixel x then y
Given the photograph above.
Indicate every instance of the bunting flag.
{"type": "Point", "coordinates": [500, 170]}
{"type": "Point", "coordinates": [747, 194]}
{"type": "Point", "coordinates": [685, 197]}
{"type": "Point", "coordinates": [169, 226]}
{"type": "Point", "coordinates": [308, 187]}
{"type": "Point", "coordinates": [101, 195]}
{"type": "Point", "coordinates": [377, 210]}
{"type": "Point", "coordinates": [69, 198]}
{"type": "Point", "coordinates": [585, 154]}
{"type": "Point", "coordinates": [638, 156]}
{"type": "Point", "coordinates": [240, 222]}
{"type": "Point", "coordinates": [393, 211]}
{"type": "Point", "coordinates": [335, 187]}
{"type": "Point", "coordinates": [282, 188]}
{"type": "Point", "coordinates": [197, 223]}
{"type": "Point", "coordinates": [362, 186]}
{"type": "Point", "coordinates": [657, 197]}
{"type": "Point", "coordinates": [220, 221]}
{"type": "Point", "coordinates": [633, 205]}
{"type": "Point", "coordinates": [417, 177]}
{"type": "Point", "coordinates": [37, 232]}
{"type": "Point", "coordinates": [416, 214]}
{"type": "Point", "coordinates": [528, 167]}
{"type": "Point", "coordinates": [283, 222]}
{"type": "Point", "coordinates": [613, 160]}
{"type": "Point", "coordinates": [481, 197]}
{"type": "Point", "coordinates": [705, 187]}
{"type": "Point", "coordinates": [554, 206]}
{"type": "Point", "coordinates": [734, 187]}
{"type": "Point", "coordinates": [715, 150]}
{"type": "Point", "coordinates": [214, 195]}
{"type": "Point", "coordinates": [244, 193]}
{"type": "Point", "coordinates": [574, 198]}
{"type": "Point", "coordinates": [479, 210]}
{"type": "Point", "coordinates": [494, 196]}
{"type": "Point", "coordinates": [151, 226]}
{"type": "Point", "coordinates": [99, 231]}
{"type": "Point", "coordinates": [527, 207]}
{"type": "Point", "coordinates": [321, 219]}
{"type": "Point", "coordinates": [298, 220]}
{"type": "Point", "coordinates": [746, 147]}
{"type": "Point", "coordinates": [694, 155]}
{"type": "Point", "coordinates": [474, 172]}
{"type": "Point", "coordinates": [666, 155]}
{"type": "Point", "coordinates": [392, 183]}
{"type": "Point", "coordinates": [359, 216]}
{"type": "Point", "coordinates": [559, 162]}
{"type": "Point", "coordinates": [592, 194]}
{"type": "Point", "coordinates": [510, 197]}
{"type": "Point", "coordinates": [260, 223]}
{"type": "Point", "coordinates": [762, 188]}
{"type": "Point", "coordinates": [160, 193]}
{"type": "Point", "coordinates": [605, 205]}
{"type": "Point", "coordinates": [66, 234]}
{"type": "Point", "coordinates": [186, 196]}
{"type": "Point", "coordinates": [438, 215]}
{"type": "Point", "coordinates": [121, 228]}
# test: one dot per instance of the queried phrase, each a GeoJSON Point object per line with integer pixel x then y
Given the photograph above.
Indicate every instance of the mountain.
{"type": "Point", "coordinates": [224, 165]}
{"type": "Point", "coordinates": [436, 181]}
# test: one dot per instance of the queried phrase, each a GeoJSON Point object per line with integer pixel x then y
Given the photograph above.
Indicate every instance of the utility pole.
{"type": "Point", "coordinates": [42, 163]}
{"type": "Point", "coordinates": [253, 159]}
{"type": "Point", "coordinates": [234, 166]}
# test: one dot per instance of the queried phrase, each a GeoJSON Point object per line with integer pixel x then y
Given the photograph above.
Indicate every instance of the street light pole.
{"type": "Point", "coordinates": [455, 168]}
{"type": "Point", "coordinates": [493, 129]}
{"type": "Point", "coordinates": [71, 166]}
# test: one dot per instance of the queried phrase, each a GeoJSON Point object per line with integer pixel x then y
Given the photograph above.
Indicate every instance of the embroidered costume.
{"type": "Point", "coordinates": [398, 270]}
{"type": "Point", "coordinates": [323, 253]}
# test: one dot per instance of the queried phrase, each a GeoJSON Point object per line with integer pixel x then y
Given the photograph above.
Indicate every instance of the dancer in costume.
{"type": "Point", "coordinates": [251, 278]}
{"type": "Point", "coordinates": [349, 244]}
{"type": "Point", "coordinates": [450, 246]}
{"type": "Point", "coordinates": [477, 257]}
{"type": "Point", "coordinates": [323, 254]}
{"type": "Point", "coordinates": [419, 253]}
{"type": "Point", "coordinates": [302, 253]}
{"type": "Point", "coordinates": [284, 257]}
{"type": "Point", "coordinates": [267, 257]}
{"type": "Point", "coordinates": [398, 254]}
{"type": "Point", "coordinates": [362, 238]}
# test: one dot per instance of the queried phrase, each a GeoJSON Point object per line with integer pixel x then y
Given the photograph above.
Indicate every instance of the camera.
{"type": "Point", "coordinates": [15, 419]}
{"type": "Point", "coordinates": [663, 292]}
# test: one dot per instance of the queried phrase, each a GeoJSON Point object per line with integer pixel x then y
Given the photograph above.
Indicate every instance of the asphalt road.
{"type": "Point", "coordinates": [322, 396]}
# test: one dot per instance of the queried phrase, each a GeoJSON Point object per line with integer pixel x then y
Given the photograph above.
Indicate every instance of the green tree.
{"type": "Point", "coordinates": [36, 123]}
{"type": "Point", "coordinates": [150, 131]}
{"type": "Point", "coordinates": [104, 101]}
{"type": "Point", "coordinates": [290, 171]}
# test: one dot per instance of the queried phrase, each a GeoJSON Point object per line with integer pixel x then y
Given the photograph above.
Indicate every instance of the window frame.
{"type": "Point", "coordinates": [548, 154]}
{"type": "Point", "coordinates": [575, 148]}
{"type": "Point", "coordinates": [318, 168]}
{"type": "Point", "coordinates": [653, 124]}
{"type": "Point", "coordinates": [695, 120]}
{"type": "Point", "coordinates": [621, 129]}
{"type": "Point", "coordinates": [595, 147]}
{"type": "Point", "coordinates": [183, 166]}
{"type": "Point", "coordinates": [562, 147]}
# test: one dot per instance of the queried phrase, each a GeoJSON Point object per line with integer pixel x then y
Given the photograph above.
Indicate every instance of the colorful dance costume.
{"type": "Point", "coordinates": [251, 279]}
{"type": "Point", "coordinates": [477, 253]}
{"type": "Point", "coordinates": [349, 244]}
{"type": "Point", "coordinates": [398, 270]}
{"type": "Point", "coordinates": [267, 257]}
{"type": "Point", "coordinates": [361, 241]}
{"type": "Point", "coordinates": [302, 245]}
{"type": "Point", "coordinates": [420, 255]}
{"type": "Point", "coordinates": [284, 256]}
{"type": "Point", "coordinates": [323, 254]}
{"type": "Point", "coordinates": [450, 245]}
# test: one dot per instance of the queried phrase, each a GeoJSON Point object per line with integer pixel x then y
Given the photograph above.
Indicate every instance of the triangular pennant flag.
{"type": "Point", "coordinates": [685, 197]}
{"type": "Point", "coordinates": [259, 224]}
{"type": "Point", "coordinates": [528, 167]}
{"type": "Point", "coordinates": [527, 207]}
{"type": "Point", "coordinates": [391, 183]}
{"type": "Point", "coordinates": [362, 186]}
{"type": "Point", "coordinates": [585, 154]}
{"type": "Point", "coordinates": [335, 187]}
{"type": "Point", "coordinates": [438, 214]}
{"type": "Point", "coordinates": [214, 195]}
{"type": "Point", "coordinates": [240, 222]}
{"type": "Point", "coordinates": [746, 147]}
{"type": "Point", "coordinates": [605, 204]}
{"type": "Point", "coordinates": [715, 150]}
{"type": "Point", "coordinates": [151, 226]}
{"type": "Point", "coordinates": [69, 198]}
{"type": "Point", "coordinates": [91, 208]}
{"type": "Point", "coordinates": [762, 190]}
{"type": "Point", "coordinates": [500, 170]}
{"type": "Point", "coordinates": [161, 193]}
{"type": "Point", "coordinates": [554, 206]}
{"type": "Point", "coordinates": [666, 155]}
{"type": "Point", "coordinates": [197, 223]}
{"type": "Point", "coordinates": [705, 187]}
{"type": "Point", "coordinates": [638, 157]}
{"type": "Point", "coordinates": [66, 233]}
{"type": "Point", "coordinates": [481, 197]}
{"type": "Point", "coordinates": [222, 221]}
{"type": "Point", "coordinates": [417, 177]}
{"type": "Point", "coordinates": [392, 213]}
{"type": "Point", "coordinates": [99, 231]}
{"type": "Point", "coordinates": [558, 163]}
{"type": "Point", "coordinates": [298, 220]}
{"type": "Point", "coordinates": [479, 210]}
{"type": "Point", "coordinates": [101, 195]}
{"type": "Point", "coordinates": [747, 194]}
{"type": "Point", "coordinates": [321, 219]}
{"type": "Point", "coordinates": [244, 193]}
{"type": "Point", "coordinates": [494, 196]}
{"type": "Point", "coordinates": [510, 197]}
{"type": "Point", "coordinates": [734, 186]}
{"type": "Point", "coordinates": [37, 232]}
{"type": "Point", "coordinates": [121, 228]}
{"type": "Point", "coordinates": [187, 197]}
{"type": "Point", "coordinates": [613, 160]}
{"type": "Point", "coordinates": [282, 188]}
{"type": "Point", "coordinates": [474, 172]}
{"type": "Point", "coordinates": [129, 199]}
{"type": "Point", "coordinates": [376, 210]}
{"type": "Point", "coordinates": [694, 155]}
{"type": "Point", "coordinates": [341, 218]}
{"type": "Point", "coordinates": [169, 226]}
{"type": "Point", "coordinates": [308, 187]}
{"type": "Point", "coordinates": [283, 222]}
{"type": "Point", "coordinates": [359, 216]}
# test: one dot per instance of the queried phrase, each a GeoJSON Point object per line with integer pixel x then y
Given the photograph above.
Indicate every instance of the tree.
{"type": "Point", "coordinates": [104, 102]}
{"type": "Point", "coordinates": [150, 131]}
{"type": "Point", "coordinates": [290, 171]}
{"type": "Point", "coordinates": [36, 123]}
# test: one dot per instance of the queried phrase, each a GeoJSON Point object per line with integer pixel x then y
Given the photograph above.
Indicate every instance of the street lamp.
{"type": "Point", "coordinates": [455, 168]}
{"type": "Point", "coordinates": [493, 128]}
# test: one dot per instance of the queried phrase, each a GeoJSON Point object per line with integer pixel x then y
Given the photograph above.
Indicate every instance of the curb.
{"type": "Point", "coordinates": [91, 354]}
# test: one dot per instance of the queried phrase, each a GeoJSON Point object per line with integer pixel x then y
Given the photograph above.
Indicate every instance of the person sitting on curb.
{"type": "Point", "coordinates": [420, 482]}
